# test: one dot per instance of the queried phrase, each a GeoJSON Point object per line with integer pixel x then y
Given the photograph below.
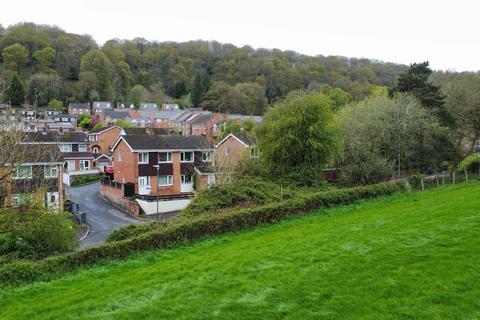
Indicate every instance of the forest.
{"type": "Point", "coordinates": [46, 63]}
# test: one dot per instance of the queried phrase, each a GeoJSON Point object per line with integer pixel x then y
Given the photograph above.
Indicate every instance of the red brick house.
{"type": "Point", "coordinates": [233, 148]}
{"type": "Point", "coordinates": [152, 166]}
{"type": "Point", "coordinates": [79, 108]}
{"type": "Point", "coordinates": [101, 142]}
{"type": "Point", "coordinates": [202, 124]}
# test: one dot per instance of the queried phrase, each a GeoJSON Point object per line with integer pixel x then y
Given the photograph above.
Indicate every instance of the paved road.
{"type": "Point", "coordinates": [102, 217]}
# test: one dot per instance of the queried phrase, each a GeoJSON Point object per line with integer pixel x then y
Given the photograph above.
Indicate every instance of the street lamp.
{"type": "Point", "coordinates": [156, 187]}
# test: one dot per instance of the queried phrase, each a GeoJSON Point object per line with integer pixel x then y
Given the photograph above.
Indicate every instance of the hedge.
{"type": "Point", "coordinates": [21, 272]}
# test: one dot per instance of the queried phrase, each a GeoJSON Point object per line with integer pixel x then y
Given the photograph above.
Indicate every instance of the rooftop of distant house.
{"type": "Point", "coordinates": [54, 137]}
{"type": "Point", "coordinates": [159, 142]}
{"type": "Point", "coordinates": [102, 105]}
{"type": "Point", "coordinates": [78, 105]}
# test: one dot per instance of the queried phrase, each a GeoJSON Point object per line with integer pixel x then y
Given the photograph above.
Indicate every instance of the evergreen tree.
{"type": "Point", "coordinates": [201, 84]}
{"type": "Point", "coordinates": [415, 81]}
{"type": "Point", "coordinates": [15, 94]}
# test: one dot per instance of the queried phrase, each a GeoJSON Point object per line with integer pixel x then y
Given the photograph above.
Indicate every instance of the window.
{"type": "Point", "coordinates": [22, 172]}
{"type": "Point", "coordinates": [51, 172]}
{"type": "Point", "coordinates": [66, 147]}
{"type": "Point", "coordinates": [165, 180]}
{"type": "Point", "coordinates": [227, 151]}
{"type": "Point", "coordinates": [92, 137]}
{"type": "Point", "coordinates": [84, 165]}
{"type": "Point", "coordinates": [143, 157]}
{"type": "Point", "coordinates": [186, 179]}
{"type": "Point", "coordinates": [164, 157]}
{"type": "Point", "coordinates": [186, 156]}
{"type": "Point", "coordinates": [207, 156]}
{"type": "Point", "coordinates": [119, 155]}
{"type": "Point", "coordinates": [95, 150]}
{"type": "Point", "coordinates": [82, 148]}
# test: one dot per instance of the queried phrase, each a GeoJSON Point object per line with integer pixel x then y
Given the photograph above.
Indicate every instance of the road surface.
{"type": "Point", "coordinates": [102, 217]}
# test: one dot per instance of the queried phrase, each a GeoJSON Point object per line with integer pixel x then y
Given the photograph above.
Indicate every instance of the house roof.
{"type": "Point", "coordinates": [113, 114]}
{"type": "Point", "coordinates": [157, 131]}
{"type": "Point", "coordinates": [78, 155]}
{"type": "Point", "coordinates": [202, 118]}
{"type": "Point", "coordinates": [98, 130]}
{"type": "Point", "coordinates": [78, 105]}
{"type": "Point", "coordinates": [40, 154]}
{"type": "Point", "coordinates": [148, 106]}
{"type": "Point", "coordinates": [243, 138]}
{"type": "Point", "coordinates": [104, 105]}
{"type": "Point", "coordinates": [157, 142]}
{"type": "Point", "coordinates": [54, 137]}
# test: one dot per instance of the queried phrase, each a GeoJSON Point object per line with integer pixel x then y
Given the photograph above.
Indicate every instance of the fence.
{"type": "Point", "coordinates": [444, 178]}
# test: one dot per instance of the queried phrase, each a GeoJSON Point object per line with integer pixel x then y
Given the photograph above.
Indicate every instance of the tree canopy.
{"type": "Point", "coordinates": [299, 135]}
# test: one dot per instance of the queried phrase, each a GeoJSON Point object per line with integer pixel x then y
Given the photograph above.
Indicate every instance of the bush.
{"type": "Point", "coordinates": [415, 180]}
{"type": "Point", "coordinates": [32, 232]}
{"type": "Point", "coordinates": [79, 180]}
{"type": "Point", "coordinates": [239, 193]}
{"type": "Point", "coordinates": [171, 234]}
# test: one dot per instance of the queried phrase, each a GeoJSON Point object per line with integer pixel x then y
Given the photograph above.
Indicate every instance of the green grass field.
{"type": "Point", "coordinates": [408, 256]}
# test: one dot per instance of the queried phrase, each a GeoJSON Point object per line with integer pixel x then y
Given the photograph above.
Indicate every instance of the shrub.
{"type": "Point", "coordinates": [239, 193]}
{"type": "Point", "coordinates": [415, 180]}
{"type": "Point", "coordinates": [79, 180]}
{"type": "Point", "coordinates": [32, 232]}
{"type": "Point", "coordinates": [197, 227]}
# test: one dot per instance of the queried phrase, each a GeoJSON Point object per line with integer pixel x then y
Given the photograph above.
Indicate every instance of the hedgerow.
{"type": "Point", "coordinates": [172, 234]}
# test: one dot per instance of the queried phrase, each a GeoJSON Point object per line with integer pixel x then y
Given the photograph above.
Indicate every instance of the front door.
{"type": "Point", "coordinates": [144, 187]}
{"type": "Point", "coordinates": [186, 183]}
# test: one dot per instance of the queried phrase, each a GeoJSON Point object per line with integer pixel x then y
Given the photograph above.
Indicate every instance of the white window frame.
{"type": "Point", "coordinates": [48, 171]}
{"type": "Point", "coordinates": [95, 150]}
{"type": "Point", "coordinates": [143, 157]}
{"type": "Point", "coordinates": [16, 176]}
{"type": "Point", "coordinates": [65, 147]}
{"type": "Point", "coordinates": [82, 165]}
{"type": "Point", "coordinates": [227, 151]}
{"type": "Point", "coordinates": [82, 148]}
{"type": "Point", "coordinates": [169, 157]}
{"type": "Point", "coordinates": [119, 155]}
{"type": "Point", "coordinates": [183, 179]}
{"type": "Point", "coordinates": [169, 181]}
{"type": "Point", "coordinates": [253, 152]}
{"type": "Point", "coordinates": [182, 156]}
{"type": "Point", "coordinates": [207, 156]}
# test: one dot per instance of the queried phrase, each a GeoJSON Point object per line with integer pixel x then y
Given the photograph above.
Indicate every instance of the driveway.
{"type": "Point", "coordinates": [102, 217]}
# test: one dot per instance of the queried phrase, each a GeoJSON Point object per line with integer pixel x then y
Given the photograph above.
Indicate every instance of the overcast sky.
{"type": "Point", "coordinates": [444, 32]}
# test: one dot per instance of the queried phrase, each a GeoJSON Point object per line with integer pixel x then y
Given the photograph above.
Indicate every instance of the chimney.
{"type": "Point", "coordinates": [150, 131]}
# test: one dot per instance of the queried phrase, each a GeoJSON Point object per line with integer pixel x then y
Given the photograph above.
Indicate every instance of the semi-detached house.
{"type": "Point", "coordinates": [156, 166]}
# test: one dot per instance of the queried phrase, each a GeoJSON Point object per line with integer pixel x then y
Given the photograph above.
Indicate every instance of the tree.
{"type": "Point", "coordinates": [299, 135]}
{"type": "Point", "coordinates": [123, 123]}
{"type": "Point", "coordinates": [44, 87]}
{"type": "Point", "coordinates": [97, 62]}
{"type": "Point", "coordinates": [339, 97]}
{"type": "Point", "coordinates": [224, 98]}
{"type": "Point", "coordinates": [381, 133]}
{"type": "Point", "coordinates": [235, 127]}
{"type": "Point", "coordinates": [15, 56]}
{"type": "Point", "coordinates": [85, 121]}
{"type": "Point", "coordinates": [416, 82]}
{"type": "Point", "coordinates": [201, 84]}
{"type": "Point", "coordinates": [15, 94]}
{"type": "Point", "coordinates": [256, 99]}
{"type": "Point", "coordinates": [45, 58]}
{"type": "Point", "coordinates": [55, 105]}
{"type": "Point", "coordinates": [137, 94]}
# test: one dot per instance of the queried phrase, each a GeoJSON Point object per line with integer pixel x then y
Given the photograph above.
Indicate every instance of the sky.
{"type": "Point", "coordinates": [446, 33]}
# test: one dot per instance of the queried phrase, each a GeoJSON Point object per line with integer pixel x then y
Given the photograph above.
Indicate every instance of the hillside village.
{"type": "Point", "coordinates": [157, 156]}
{"type": "Point", "coordinates": [142, 179]}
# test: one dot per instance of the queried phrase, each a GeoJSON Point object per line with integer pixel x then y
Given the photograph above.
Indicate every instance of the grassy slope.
{"type": "Point", "coordinates": [410, 256]}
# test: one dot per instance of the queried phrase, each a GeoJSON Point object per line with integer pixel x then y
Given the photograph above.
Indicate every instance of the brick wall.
{"type": "Point", "coordinates": [125, 170]}
{"type": "Point", "coordinates": [107, 139]}
{"type": "Point", "coordinates": [237, 151]}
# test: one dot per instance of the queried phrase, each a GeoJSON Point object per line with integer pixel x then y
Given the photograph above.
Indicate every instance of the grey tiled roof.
{"type": "Point", "coordinates": [157, 142]}
{"type": "Point", "coordinates": [78, 155]}
{"type": "Point", "coordinates": [79, 105]}
{"type": "Point", "coordinates": [54, 137]}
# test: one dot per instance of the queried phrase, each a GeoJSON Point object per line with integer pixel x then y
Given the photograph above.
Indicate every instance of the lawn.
{"type": "Point", "coordinates": [408, 256]}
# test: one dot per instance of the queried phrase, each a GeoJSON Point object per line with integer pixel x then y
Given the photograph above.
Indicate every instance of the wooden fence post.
{"type": "Point", "coordinates": [453, 176]}
{"type": "Point", "coordinates": [438, 183]}
{"type": "Point", "coordinates": [423, 186]}
{"type": "Point", "coordinates": [466, 174]}
{"type": "Point", "coordinates": [443, 179]}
